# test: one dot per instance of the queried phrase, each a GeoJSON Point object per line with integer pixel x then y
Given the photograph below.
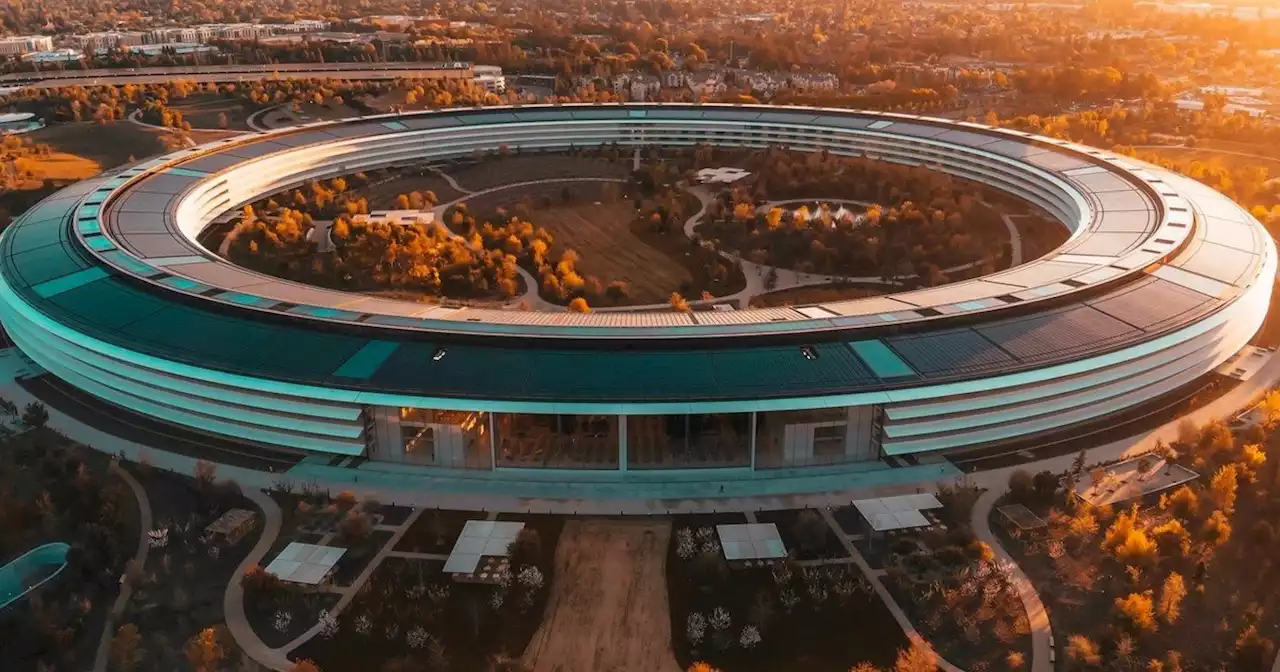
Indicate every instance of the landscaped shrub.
{"type": "Point", "coordinates": [811, 531]}
{"type": "Point", "coordinates": [526, 549]}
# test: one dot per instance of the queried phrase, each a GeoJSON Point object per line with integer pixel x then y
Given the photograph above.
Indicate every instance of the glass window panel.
{"type": "Point", "coordinates": [688, 441]}
{"type": "Point", "coordinates": [557, 441]}
{"type": "Point", "coordinates": [454, 439]}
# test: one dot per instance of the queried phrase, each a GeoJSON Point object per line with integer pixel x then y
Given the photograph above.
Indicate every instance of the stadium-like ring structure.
{"type": "Point", "coordinates": [106, 287]}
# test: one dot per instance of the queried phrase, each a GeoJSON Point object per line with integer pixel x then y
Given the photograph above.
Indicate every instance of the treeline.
{"type": "Point", "coordinates": [375, 256]}
{"type": "Point", "coordinates": [922, 222]}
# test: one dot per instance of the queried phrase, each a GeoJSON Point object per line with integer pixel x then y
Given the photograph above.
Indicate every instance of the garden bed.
{"type": "Point", "coordinates": [805, 540]}
{"type": "Point", "coordinates": [791, 609]}
{"type": "Point", "coordinates": [411, 610]}
{"type": "Point", "coordinates": [292, 612]}
{"type": "Point", "coordinates": [436, 530]}
{"type": "Point", "coordinates": [358, 555]}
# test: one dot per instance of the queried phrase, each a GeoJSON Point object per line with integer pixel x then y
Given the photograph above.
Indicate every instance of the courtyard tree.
{"type": "Point", "coordinates": [1171, 594]}
{"type": "Point", "coordinates": [1137, 612]}
{"type": "Point", "coordinates": [35, 415]}
{"type": "Point", "coordinates": [1223, 486]}
{"type": "Point", "coordinates": [679, 304]}
{"type": "Point", "coordinates": [1216, 530]}
{"type": "Point", "coordinates": [916, 659]}
{"type": "Point", "coordinates": [1083, 653]}
{"type": "Point", "coordinates": [305, 665]}
{"type": "Point", "coordinates": [579, 305]}
{"type": "Point", "coordinates": [126, 652]}
{"type": "Point", "coordinates": [205, 652]}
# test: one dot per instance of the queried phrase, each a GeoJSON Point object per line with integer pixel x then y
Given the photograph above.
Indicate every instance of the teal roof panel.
{"type": "Point", "coordinates": [882, 361]}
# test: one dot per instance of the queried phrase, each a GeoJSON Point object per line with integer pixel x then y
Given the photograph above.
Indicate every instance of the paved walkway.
{"type": "Point", "coordinates": [873, 577]}
{"type": "Point", "coordinates": [233, 598]}
{"type": "Point", "coordinates": [1037, 615]}
{"type": "Point", "coordinates": [255, 120]}
{"type": "Point", "coordinates": [452, 182]}
{"type": "Point", "coordinates": [1015, 240]}
{"type": "Point", "coordinates": [136, 118]}
{"type": "Point", "coordinates": [349, 592]}
{"type": "Point", "coordinates": [139, 558]}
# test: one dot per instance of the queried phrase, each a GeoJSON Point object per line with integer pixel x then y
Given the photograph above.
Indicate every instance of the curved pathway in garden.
{"type": "Point", "coordinates": [233, 598]}
{"type": "Point", "coordinates": [139, 557]}
{"type": "Point", "coordinates": [135, 117]}
{"type": "Point", "coordinates": [452, 182]}
{"type": "Point", "coordinates": [255, 120]}
{"type": "Point", "coordinates": [1037, 615]}
{"type": "Point", "coordinates": [754, 273]}
{"type": "Point", "coordinates": [1015, 240]}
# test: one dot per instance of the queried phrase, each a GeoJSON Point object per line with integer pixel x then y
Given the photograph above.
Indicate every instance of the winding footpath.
{"type": "Point", "coordinates": [145, 521]}
{"type": "Point", "coordinates": [233, 599]}
{"type": "Point", "coordinates": [1037, 615]}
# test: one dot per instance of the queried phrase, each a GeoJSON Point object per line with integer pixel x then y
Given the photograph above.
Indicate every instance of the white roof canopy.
{"type": "Point", "coordinates": [751, 541]}
{"type": "Point", "coordinates": [305, 563]}
{"type": "Point", "coordinates": [897, 513]}
{"type": "Point", "coordinates": [480, 538]}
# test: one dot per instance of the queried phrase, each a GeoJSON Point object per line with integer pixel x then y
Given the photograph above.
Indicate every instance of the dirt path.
{"type": "Point", "coordinates": [608, 608]}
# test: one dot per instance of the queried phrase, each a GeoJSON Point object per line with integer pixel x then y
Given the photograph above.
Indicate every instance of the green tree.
{"type": "Point", "coordinates": [35, 415]}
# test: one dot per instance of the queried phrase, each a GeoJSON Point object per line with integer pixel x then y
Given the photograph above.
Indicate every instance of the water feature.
{"type": "Point", "coordinates": [31, 570]}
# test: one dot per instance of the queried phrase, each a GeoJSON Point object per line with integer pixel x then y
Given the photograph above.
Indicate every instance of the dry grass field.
{"type": "Point", "coordinates": [525, 168]}
{"type": "Point", "coordinates": [608, 606]}
{"type": "Point", "coordinates": [800, 296]}
{"type": "Point", "coordinates": [202, 111]}
{"type": "Point", "coordinates": [109, 145]}
{"type": "Point", "coordinates": [1230, 155]}
{"type": "Point", "coordinates": [60, 167]}
{"type": "Point", "coordinates": [610, 251]}
{"type": "Point", "coordinates": [382, 196]}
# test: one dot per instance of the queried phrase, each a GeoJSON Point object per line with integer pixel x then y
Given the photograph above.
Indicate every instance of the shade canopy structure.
{"type": "Point", "coordinates": [481, 538]}
{"type": "Point", "coordinates": [751, 541]}
{"type": "Point", "coordinates": [307, 564]}
{"type": "Point", "coordinates": [902, 512]}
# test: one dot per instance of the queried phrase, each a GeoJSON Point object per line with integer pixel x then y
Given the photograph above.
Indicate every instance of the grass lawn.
{"type": "Point", "coordinates": [204, 111]}
{"type": "Point", "coordinates": [494, 172]}
{"type": "Point", "coordinates": [800, 296]}
{"type": "Point", "coordinates": [602, 236]}
{"type": "Point", "coordinates": [59, 167]}
{"type": "Point", "coordinates": [109, 145]}
{"type": "Point", "coordinates": [1220, 151]}
{"type": "Point", "coordinates": [382, 193]}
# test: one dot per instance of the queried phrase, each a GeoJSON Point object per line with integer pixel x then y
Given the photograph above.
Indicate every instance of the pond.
{"type": "Point", "coordinates": [30, 571]}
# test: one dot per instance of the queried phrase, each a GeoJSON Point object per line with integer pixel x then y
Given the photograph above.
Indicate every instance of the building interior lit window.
{"type": "Point", "coordinates": [456, 439]}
